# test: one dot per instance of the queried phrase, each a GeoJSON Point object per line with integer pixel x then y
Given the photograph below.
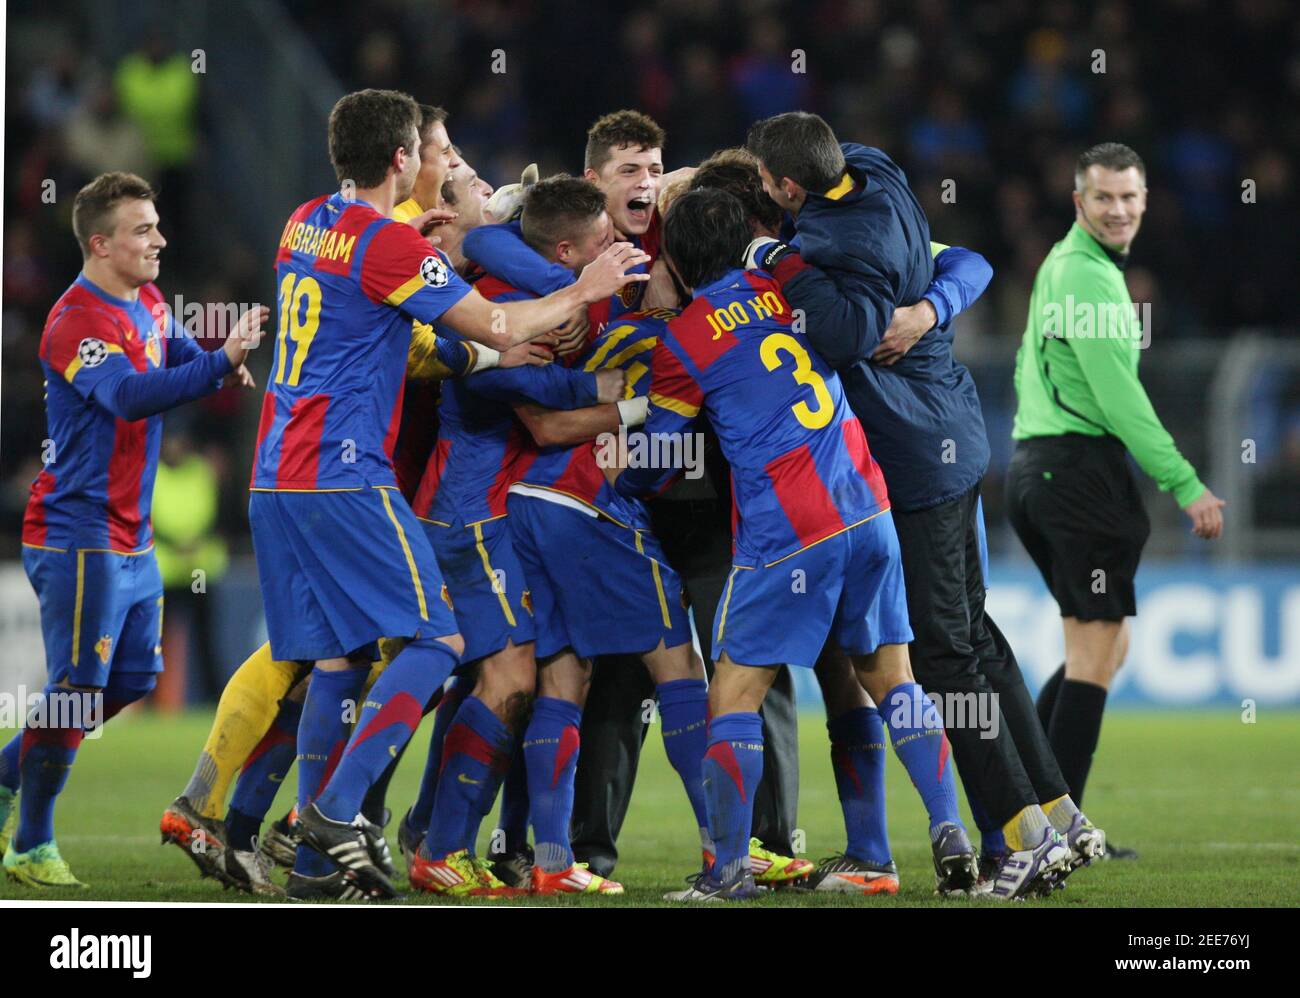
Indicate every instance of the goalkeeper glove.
{"type": "Point", "coordinates": [507, 203]}
{"type": "Point", "coordinates": [764, 253]}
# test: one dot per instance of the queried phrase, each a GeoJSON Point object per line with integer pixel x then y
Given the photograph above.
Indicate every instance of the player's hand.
{"type": "Point", "coordinates": [909, 324]}
{"type": "Point", "coordinates": [532, 354]}
{"type": "Point", "coordinates": [507, 203]}
{"type": "Point", "coordinates": [426, 222]}
{"type": "Point", "coordinates": [764, 252]}
{"type": "Point", "coordinates": [246, 335]}
{"type": "Point", "coordinates": [241, 377]}
{"type": "Point", "coordinates": [1207, 516]}
{"type": "Point", "coordinates": [609, 272]}
{"type": "Point", "coordinates": [572, 336]}
{"type": "Point", "coordinates": [661, 292]}
{"type": "Point", "coordinates": [609, 384]}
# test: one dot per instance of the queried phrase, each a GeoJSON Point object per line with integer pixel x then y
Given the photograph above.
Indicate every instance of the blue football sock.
{"type": "Point", "coordinates": [9, 762]}
{"type": "Point", "coordinates": [513, 822]}
{"type": "Point", "coordinates": [733, 765]}
{"type": "Point", "coordinates": [474, 760]}
{"type": "Point", "coordinates": [916, 730]}
{"type": "Point", "coordinates": [262, 775]}
{"type": "Point", "coordinates": [683, 715]}
{"type": "Point", "coordinates": [422, 809]}
{"type": "Point", "coordinates": [858, 758]}
{"type": "Point", "coordinates": [45, 759]}
{"type": "Point", "coordinates": [993, 841]}
{"type": "Point", "coordinates": [391, 714]}
{"type": "Point", "coordinates": [309, 863]}
{"type": "Point", "coordinates": [323, 728]}
{"type": "Point", "coordinates": [551, 745]}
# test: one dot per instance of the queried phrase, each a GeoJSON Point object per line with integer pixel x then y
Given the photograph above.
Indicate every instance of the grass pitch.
{"type": "Point", "coordinates": [1211, 804]}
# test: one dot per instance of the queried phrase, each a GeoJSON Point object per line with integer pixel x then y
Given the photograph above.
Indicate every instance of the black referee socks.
{"type": "Point", "coordinates": [1075, 729]}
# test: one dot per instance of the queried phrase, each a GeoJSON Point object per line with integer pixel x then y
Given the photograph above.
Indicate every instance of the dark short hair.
{"type": "Point", "coordinates": [619, 129]}
{"type": "Point", "coordinates": [430, 115]}
{"type": "Point", "coordinates": [800, 146]}
{"type": "Point", "coordinates": [1111, 155]}
{"type": "Point", "coordinates": [365, 128]}
{"type": "Point", "coordinates": [705, 235]}
{"type": "Point", "coordinates": [736, 172]}
{"type": "Point", "coordinates": [92, 209]}
{"type": "Point", "coordinates": [557, 208]}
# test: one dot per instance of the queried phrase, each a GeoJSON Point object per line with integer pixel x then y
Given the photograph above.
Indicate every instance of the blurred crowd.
{"type": "Point", "coordinates": [985, 104]}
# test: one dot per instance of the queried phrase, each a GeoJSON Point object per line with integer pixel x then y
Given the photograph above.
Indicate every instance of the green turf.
{"type": "Point", "coordinates": [1211, 803]}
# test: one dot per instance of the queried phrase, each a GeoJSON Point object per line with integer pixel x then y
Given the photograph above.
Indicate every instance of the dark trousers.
{"type": "Point", "coordinates": [697, 543]}
{"type": "Point", "coordinates": [956, 650]}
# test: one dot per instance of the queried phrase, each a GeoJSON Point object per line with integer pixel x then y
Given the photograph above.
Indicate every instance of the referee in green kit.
{"type": "Point", "coordinates": [1071, 494]}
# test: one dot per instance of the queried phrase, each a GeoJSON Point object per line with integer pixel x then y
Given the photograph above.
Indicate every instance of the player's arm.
{"type": "Point", "coordinates": [182, 347]}
{"type": "Point", "coordinates": [404, 271]}
{"type": "Point", "coordinates": [1105, 361]}
{"type": "Point", "coordinates": [502, 248]}
{"type": "Point", "coordinates": [675, 401]}
{"type": "Point", "coordinates": [553, 386]}
{"type": "Point", "coordinates": [960, 277]}
{"type": "Point", "coordinates": [502, 325]}
{"type": "Point", "coordinates": [846, 313]}
{"type": "Point", "coordinates": [567, 427]}
{"type": "Point", "coordinates": [87, 350]}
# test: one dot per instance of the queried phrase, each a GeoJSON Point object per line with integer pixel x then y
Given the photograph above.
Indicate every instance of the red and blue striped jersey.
{"type": "Point", "coordinates": [96, 488]}
{"type": "Point", "coordinates": [350, 283]}
{"type": "Point", "coordinates": [479, 437]}
{"type": "Point", "coordinates": [800, 466]}
{"type": "Point", "coordinates": [571, 474]}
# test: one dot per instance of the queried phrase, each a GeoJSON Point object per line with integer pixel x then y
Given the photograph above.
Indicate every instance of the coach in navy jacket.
{"type": "Point", "coordinates": [870, 244]}
{"type": "Point", "coordinates": [863, 250]}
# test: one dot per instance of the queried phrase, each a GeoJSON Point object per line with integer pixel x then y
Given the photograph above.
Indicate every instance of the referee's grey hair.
{"type": "Point", "coordinates": [1111, 155]}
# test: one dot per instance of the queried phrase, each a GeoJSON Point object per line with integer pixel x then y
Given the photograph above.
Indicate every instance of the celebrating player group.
{"type": "Point", "coordinates": [527, 459]}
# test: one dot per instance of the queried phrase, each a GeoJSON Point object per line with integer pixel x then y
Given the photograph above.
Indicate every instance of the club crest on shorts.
{"type": "Point", "coordinates": [104, 648]}
{"type": "Point", "coordinates": [446, 597]}
{"type": "Point", "coordinates": [92, 352]}
{"type": "Point", "coordinates": [526, 601]}
{"type": "Point", "coordinates": [434, 271]}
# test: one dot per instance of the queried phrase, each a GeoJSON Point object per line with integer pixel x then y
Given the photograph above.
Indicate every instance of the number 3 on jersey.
{"type": "Point", "coordinates": [299, 320]}
{"type": "Point", "coordinates": [771, 349]}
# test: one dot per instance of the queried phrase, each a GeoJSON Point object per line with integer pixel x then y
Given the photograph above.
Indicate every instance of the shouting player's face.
{"type": "Point", "coordinates": [437, 159]}
{"type": "Point", "coordinates": [134, 245]}
{"type": "Point", "coordinates": [1111, 205]}
{"type": "Point", "coordinates": [630, 182]}
{"type": "Point", "coordinates": [594, 240]}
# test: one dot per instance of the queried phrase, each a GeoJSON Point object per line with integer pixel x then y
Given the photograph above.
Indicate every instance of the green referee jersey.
{"type": "Point", "coordinates": [1077, 367]}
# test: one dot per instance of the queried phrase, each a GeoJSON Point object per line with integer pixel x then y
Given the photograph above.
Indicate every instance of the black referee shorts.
{"type": "Point", "coordinates": [1075, 505]}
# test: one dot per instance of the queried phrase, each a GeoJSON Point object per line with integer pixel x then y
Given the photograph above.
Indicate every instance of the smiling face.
{"type": "Point", "coordinates": [438, 158]}
{"type": "Point", "coordinates": [132, 246]}
{"type": "Point", "coordinates": [1111, 204]}
{"type": "Point", "coordinates": [629, 180]}
{"type": "Point", "coordinates": [467, 193]}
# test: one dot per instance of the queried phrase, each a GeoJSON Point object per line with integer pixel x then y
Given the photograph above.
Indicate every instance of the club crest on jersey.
{"type": "Point", "coordinates": [104, 648]}
{"type": "Point", "coordinates": [434, 271]}
{"type": "Point", "coordinates": [92, 352]}
{"type": "Point", "coordinates": [153, 348]}
{"type": "Point", "coordinates": [630, 294]}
